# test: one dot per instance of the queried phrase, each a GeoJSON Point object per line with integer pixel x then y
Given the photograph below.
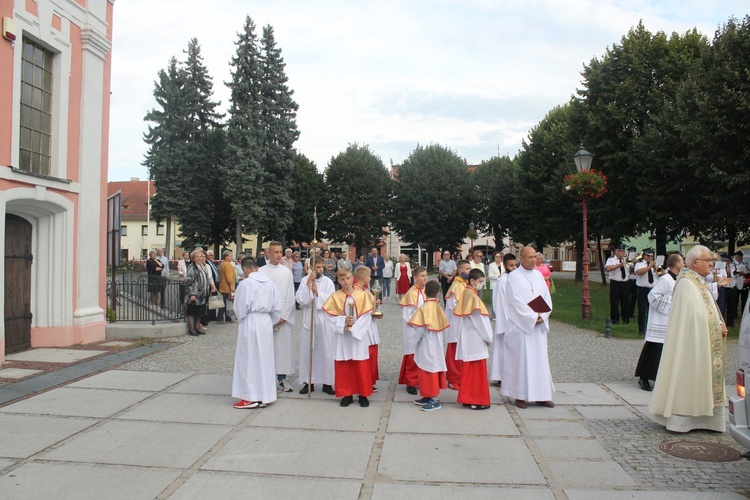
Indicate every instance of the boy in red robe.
{"type": "Point", "coordinates": [474, 337]}
{"type": "Point", "coordinates": [409, 303]}
{"type": "Point", "coordinates": [454, 294]}
{"type": "Point", "coordinates": [429, 322]}
{"type": "Point", "coordinates": [350, 309]}
{"type": "Point", "coordinates": [362, 277]}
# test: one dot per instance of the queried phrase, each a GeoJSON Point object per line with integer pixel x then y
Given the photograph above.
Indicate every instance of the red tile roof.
{"type": "Point", "coordinates": [134, 198]}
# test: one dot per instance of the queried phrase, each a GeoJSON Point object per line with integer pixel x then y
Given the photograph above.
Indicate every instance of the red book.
{"type": "Point", "coordinates": [539, 305]}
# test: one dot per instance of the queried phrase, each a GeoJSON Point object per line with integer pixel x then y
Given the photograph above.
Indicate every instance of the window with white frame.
{"type": "Point", "coordinates": [36, 109]}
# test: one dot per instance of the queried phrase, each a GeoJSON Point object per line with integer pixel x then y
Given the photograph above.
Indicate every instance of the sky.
{"type": "Point", "coordinates": [472, 75]}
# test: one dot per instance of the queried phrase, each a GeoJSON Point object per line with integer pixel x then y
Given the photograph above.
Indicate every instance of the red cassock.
{"type": "Point", "coordinates": [430, 383]}
{"type": "Point", "coordinates": [454, 365]}
{"type": "Point", "coordinates": [408, 375]}
{"type": "Point", "coordinates": [475, 387]}
{"type": "Point", "coordinates": [353, 377]}
{"type": "Point", "coordinates": [375, 373]}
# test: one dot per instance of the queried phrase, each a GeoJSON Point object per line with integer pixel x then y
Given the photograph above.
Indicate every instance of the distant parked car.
{"type": "Point", "coordinates": [739, 404]}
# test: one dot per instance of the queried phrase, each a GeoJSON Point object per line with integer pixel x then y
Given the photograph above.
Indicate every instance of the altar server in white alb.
{"type": "Point", "coordinates": [363, 276]}
{"type": "Point", "coordinates": [283, 340]}
{"type": "Point", "coordinates": [257, 307]}
{"type": "Point", "coordinates": [313, 291]}
{"type": "Point", "coordinates": [429, 323]}
{"type": "Point", "coordinates": [660, 302]}
{"type": "Point", "coordinates": [474, 336]}
{"type": "Point", "coordinates": [526, 372]}
{"type": "Point", "coordinates": [498, 307]}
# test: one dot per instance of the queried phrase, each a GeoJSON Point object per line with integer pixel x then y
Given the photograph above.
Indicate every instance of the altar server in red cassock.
{"type": "Point", "coordinates": [350, 310]}
{"type": "Point", "coordinates": [362, 276]}
{"type": "Point", "coordinates": [454, 294]}
{"type": "Point", "coordinates": [429, 322]}
{"type": "Point", "coordinates": [409, 303]}
{"type": "Point", "coordinates": [473, 339]}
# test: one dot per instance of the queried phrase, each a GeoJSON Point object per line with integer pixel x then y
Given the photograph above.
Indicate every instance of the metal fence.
{"type": "Point", "coordinates": [140, 298]}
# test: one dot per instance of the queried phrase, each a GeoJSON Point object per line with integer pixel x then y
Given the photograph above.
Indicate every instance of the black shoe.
{"type": "Point", "coordinates": [643, 383]}
{"type": "Point", "coordinates": [364, 402]}
{"type": "Point", "coordinates": [411, 389]}
{"type": "Point", "coordinates": [327, 389]}
{"type": "Point", "coordinates": [626, 321]}
{"type": "Point", "coordinates": [346, 401]}
{"type": "Point", "coordinates": [304, 388]}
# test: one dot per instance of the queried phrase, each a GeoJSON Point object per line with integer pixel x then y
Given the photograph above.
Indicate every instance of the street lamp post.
{"type": "Point", "coordinates": [582, 159]}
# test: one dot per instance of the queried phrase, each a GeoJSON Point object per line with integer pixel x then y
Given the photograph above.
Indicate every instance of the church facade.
{"type": "Point", "coordinates": [54, 130]}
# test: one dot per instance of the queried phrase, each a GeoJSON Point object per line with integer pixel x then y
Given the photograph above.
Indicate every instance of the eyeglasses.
{"type": "Point", "coordinates": [712, 261]}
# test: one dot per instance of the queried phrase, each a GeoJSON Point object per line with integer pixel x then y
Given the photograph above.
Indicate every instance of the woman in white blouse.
{"type": "Point", "coordinates": [495, 269]}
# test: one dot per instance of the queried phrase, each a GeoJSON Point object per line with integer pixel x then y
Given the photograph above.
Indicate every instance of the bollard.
{"type": "Point", "coordinates": [608, 328]}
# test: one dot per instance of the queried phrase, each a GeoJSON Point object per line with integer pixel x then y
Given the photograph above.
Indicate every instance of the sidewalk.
{"type": "Point", "coordinates": [163, 426]}
{"type": "Point", "coordinates": [135, 434]}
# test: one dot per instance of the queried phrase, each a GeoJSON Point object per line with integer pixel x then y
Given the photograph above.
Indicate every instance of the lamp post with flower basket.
{"type": "Point", "coordinates": [586, 183]}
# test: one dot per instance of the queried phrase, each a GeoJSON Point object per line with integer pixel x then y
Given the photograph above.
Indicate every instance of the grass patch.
{"type": "Point", "coordinates": [566, 307]}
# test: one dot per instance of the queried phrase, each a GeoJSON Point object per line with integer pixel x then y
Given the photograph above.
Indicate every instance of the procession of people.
{"type": "Point", "coordinates": [446, 345]}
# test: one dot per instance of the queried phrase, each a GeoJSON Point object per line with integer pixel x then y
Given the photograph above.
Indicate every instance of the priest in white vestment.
{"type": "Point", "coordinates": [283, 339]}
{"type": "Point", "coordinates": [526, 372]}
{"type": "Point", "coordinates": [314, 293]}
{"type": "Point", "coordinates": [689, 389]}
{"type": "Point", "coordinates": [501, 318]}
{"type": "Point", "coordinates": [257, 306]}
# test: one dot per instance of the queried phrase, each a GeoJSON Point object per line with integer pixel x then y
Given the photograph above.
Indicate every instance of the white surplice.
{"type": "Point", "coordinates": [406, 313]}
{"type": "Point", "coordinates": [323, 346]}
{"type": "Point", "coordinates": [428, 350]}
{"type": "Point", "coordinates": [257, 306]}
{"type": "Point", "coordinates": [352, 344]}
{"type": "Point", "coordinates": [526, 372]}
{"type": "Point", "coordinates": [660, 301]}
{"type": "Point", "coordinates": [498, 307]}
{"type": "Point", "coordinates": [451, 333]}
{"type": "Point", "coordinates": [283, 339]}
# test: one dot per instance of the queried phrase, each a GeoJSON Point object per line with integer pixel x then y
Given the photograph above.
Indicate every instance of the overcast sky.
{"type": "Point", "coordinates": [472, 75]}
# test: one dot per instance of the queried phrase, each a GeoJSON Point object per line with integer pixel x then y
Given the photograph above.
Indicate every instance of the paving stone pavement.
{"type": "Point", "coordinates": [162, 426]}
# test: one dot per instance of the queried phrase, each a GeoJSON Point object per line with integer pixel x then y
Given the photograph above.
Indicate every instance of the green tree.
{"type": "Point", "coordinates": [712, 112]}
{"type": "Point", "coordinates": [431, 205]}
{"type": "Point", "coordinates": [278, 119]}
{"type": "Point", "coordinates": [495, 181]}
{"type": "Point", "coordinates": [167, 142]}
{"type": "Point", "coordinates": [623, 93]}
{"type": "Point", "coordinates": [359, 189]}
{"type": "Point", "coordinates": [206, 145]}
{"type": "Point", "coordinates": [308, 192]}
{"type": "Point", "coordinates": [245, 138]}
{"type": "Point", "coordinates": [544, 213]}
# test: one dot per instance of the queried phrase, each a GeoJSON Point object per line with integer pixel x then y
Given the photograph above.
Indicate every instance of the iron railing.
{"type": "Point", "coordinates": [138, 297]}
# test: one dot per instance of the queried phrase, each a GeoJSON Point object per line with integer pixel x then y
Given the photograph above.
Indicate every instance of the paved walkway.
{"type": "Point", "coordinates": [162, 426]}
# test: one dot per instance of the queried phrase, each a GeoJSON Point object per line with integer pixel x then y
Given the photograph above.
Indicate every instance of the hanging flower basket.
{"type": "Point", "coordinates": [589, 184]}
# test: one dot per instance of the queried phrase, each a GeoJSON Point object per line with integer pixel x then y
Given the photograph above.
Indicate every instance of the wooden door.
{"type": "Point", "coordinates": [18, 261]}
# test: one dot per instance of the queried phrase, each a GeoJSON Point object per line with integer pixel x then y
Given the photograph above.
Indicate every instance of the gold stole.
{"type": "Point", "coordinates": [430, 315]}
{"type": "Point", "coordinates": [714, 329]}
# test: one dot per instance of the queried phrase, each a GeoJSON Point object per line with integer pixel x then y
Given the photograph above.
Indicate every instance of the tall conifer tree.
{"type": "Point", "coordinates": [278, 116]}
{"type": "Point", "coordinates": [245, 134]}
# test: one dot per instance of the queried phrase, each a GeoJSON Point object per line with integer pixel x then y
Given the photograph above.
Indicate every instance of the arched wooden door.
{"type": "Point", "coordinates": [18, 261]}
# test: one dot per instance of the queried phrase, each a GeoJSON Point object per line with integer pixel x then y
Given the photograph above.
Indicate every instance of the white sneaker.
{"type": "Point", "coordinates": [285, 386]}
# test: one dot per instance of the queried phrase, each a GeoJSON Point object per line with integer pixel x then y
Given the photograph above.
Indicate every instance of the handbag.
{"type": "Point", "coordinates": [215, 302]}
